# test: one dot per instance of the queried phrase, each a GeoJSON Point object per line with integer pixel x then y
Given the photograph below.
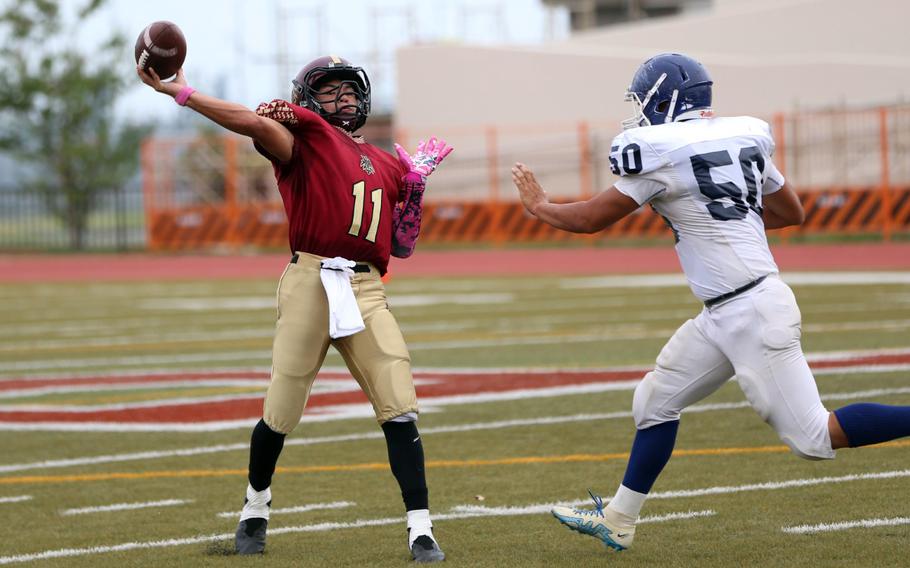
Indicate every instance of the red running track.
{"type": "Point", "coordinates": [487, 262]}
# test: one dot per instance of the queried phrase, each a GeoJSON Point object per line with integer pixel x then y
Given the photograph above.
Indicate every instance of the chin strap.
{"type": "Point", "coordinates": [672, 108]}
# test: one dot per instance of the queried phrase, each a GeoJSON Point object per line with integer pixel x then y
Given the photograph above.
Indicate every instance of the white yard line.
{"type": "Point", "coordinates": [469, 511]}
{"type": "Point", "coordinates": [677, 516]}
{"type": "Point", "coordinates": [115, 458]}
{"type": "Point", "coordinates": [218, 358]}
{"type": "Point", "coordinates": [864, 394]}
{"type": "Point", "coordinates": [268, 302]}
{"type": "Point", "coordinates": [465, 511]}
{"type": "Point", "coordinates": [429, 405]}
{"type": "Point", "coordinates": [134, 386]}
{"type": "Point", "coordinates": [889, 325]}
{"type": "Point", "coordinates": [614, 333]}
{"type": "Point", "coordinates": [156, 403]}
{"type": "Point", "coordinates": [846, 525]}
{"type": "Point", "coordinates": [855, 354]}
{"type": "Point", "coordinates": [332, 386]}
{"type": "Point", "coordinates": [325, 385]}
{"type": "Point", "coordinates": [605, 335]}
{"type": "Point", "coordinates": [775, 485]}
{"type": "Point", "coordinates": [534, 322]}
{"type": "Point", "coordinates": [333, 369]}
{"type": "Point", "coordinates": [319, 527]}
{"type": "Point", "coordinates": [718, 490]}
{"type": "Point", "coordinates": [208, 304]}
{"type": "Point", "coordinates": [483, 511]}
{"type": "Point", "coordinates": [841, 278]}
{"type": "Point", "coordinates": [297, 509]}
{"type": "Point", "coordinates": [122, 325]}
{"type": "Point", "coordinates": [124, 507]}
{"type": "Point", "coordinates": [123, 427]}
{"type": "Point", "coordinates": [71, 552]}
{"type": "Point", "coordinates": [15, 499]}
{"type": "Point", "coordinates": [862, 369]}
{"type": "Point", "coordinates": [495, 425]}
{"type": "Point", "coordinates": [792, 278]}
{"type": "Point", "coordinates": [211, 372]}
{"type": "Point", "coordinates": [130, 340]}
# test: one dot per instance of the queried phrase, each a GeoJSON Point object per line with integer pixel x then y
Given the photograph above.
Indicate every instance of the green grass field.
{"type": "Point", "coordinates": [518, 455]}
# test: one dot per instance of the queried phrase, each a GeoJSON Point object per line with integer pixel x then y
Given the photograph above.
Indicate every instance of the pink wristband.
{"type": "Point", "coordinates": [184, 95]}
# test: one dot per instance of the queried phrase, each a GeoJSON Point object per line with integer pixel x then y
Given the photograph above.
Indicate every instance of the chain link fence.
{"type": "Point", "coordinates": [117, 223]}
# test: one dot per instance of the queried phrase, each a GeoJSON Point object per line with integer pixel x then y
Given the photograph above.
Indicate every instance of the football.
{"type": "Point", "coordinates": [162, 47]}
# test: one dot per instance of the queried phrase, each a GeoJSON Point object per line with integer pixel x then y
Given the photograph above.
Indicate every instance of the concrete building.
{"type": "Point", "coordinates": [590, 14]}
{"type": "Point", "coordinates": [561, 103]}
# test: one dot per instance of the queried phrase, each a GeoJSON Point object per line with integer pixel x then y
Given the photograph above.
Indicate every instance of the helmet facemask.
{"type": "Point", "coordinates": [639, 118]}
{"type": "Point", "coordinates": [313, 93]}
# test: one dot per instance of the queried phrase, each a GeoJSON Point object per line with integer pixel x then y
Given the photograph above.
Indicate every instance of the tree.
{"type": "Point", "coordinates": [57, 109]}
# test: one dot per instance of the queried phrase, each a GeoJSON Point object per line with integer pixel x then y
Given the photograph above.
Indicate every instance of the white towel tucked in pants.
{"type": "Point", "coordinates": [344, 315]}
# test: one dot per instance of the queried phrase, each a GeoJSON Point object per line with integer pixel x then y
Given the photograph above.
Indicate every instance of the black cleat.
{"type": "Point", "coordinates": [425, 550]}
{"type": "Point", "coordinates": [250, 537]}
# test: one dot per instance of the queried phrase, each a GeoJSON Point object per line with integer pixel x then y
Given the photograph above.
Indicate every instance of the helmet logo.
{"type": "Point", "coordinates": [366, 165]}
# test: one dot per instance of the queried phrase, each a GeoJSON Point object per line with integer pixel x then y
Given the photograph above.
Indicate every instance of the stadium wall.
{"type": "Point", "coordinates": [817, 70]}
{"type": "Point", "coordinates": [850, 168]}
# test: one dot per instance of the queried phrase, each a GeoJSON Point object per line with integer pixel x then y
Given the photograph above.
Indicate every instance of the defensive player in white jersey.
{"type": "Point", "coordinates": [713, 181]}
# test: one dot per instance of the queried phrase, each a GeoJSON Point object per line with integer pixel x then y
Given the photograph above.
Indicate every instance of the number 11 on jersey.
{"type": "Point", "coordinates": [359, 191]}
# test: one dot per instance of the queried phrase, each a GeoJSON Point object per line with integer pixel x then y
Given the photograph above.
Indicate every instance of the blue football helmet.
{"type": "Point", "coordinates": [667, 88]}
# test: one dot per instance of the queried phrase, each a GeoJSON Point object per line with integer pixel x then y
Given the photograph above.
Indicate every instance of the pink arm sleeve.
{"type": "Point", "coordinates": [406, 216]}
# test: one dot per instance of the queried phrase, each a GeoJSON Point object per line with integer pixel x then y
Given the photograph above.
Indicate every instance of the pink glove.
{"type": "Point", "coordinates": [429, 155]}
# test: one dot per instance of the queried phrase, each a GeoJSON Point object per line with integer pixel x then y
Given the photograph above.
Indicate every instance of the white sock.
{"type": "Point", "coordinates": [626, 505]}
{"type": "Point", "coordinates": [257, 504]}
{"type": "Point", "coordinates": [419, 524]}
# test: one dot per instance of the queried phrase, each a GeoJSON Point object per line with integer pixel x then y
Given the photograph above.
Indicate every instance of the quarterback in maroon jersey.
{"type": "Point", "coordinates": [350, 206]}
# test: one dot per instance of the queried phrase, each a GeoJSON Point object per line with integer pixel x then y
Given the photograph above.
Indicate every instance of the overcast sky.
{"type": "Point", "coordinates": [235, 46]}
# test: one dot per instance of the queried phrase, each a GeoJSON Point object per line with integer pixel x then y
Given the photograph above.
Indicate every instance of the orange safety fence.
{"type": "Point", "coordinates": [845, 211]}
{"type": "Point", "coordinates": [851, 169]}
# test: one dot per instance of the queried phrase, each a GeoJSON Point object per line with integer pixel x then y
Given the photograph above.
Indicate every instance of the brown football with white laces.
{"type": "Point", "coordinates": [162, 47]}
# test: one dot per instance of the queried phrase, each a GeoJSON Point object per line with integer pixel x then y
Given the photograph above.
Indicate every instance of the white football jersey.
{"type": "Point", "coordinates": [706, 178]}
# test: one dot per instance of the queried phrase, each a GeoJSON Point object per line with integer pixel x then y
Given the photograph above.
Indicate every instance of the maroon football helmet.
{"type": "Point", "coordinates": [308, 82]}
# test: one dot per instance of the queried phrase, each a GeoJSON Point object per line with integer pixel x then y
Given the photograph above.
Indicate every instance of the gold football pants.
{"type": "Point", "coordinates": [377, 356]}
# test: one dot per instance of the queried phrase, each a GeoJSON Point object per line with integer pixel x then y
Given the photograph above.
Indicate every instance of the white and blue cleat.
{"type": "Point", "coordinates": [593, 522]}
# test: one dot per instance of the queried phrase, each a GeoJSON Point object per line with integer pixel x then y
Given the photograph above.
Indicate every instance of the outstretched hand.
{"type": "Point", "coordinates": [152, 79]}
{"type": "Point", "coordinates": [429, 155]}
{"type": "Point", "coordinates": [532, 195]}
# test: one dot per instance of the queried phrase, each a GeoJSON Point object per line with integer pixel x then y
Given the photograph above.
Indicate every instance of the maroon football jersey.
{"type": "Point", "coordinates": [338, 192]}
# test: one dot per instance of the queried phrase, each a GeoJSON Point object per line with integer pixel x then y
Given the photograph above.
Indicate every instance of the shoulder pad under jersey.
{"type": "Point", "coordinates": [292, 116]}
{"type": "Point", "coordinates": [633, 153]}
{"type": "Point", "coordinates": [762, 132]}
